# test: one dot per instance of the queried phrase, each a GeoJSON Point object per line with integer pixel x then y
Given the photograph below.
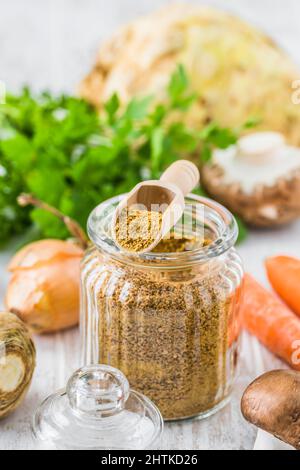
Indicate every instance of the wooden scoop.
{"type": "Point", "coordinates": [165, 195]}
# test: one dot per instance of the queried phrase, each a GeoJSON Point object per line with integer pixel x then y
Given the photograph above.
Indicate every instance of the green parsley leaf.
{"type": "Point", "coordinates": [68, 154]}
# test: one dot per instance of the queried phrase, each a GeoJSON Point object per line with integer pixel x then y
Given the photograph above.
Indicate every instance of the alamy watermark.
{"type": "Point", "coordinates": [190, 224]}
{"type": "Point", "coordinates": [296, 354]}
{"type": "Point", "coordinates": [2, 92]}
{"type": "Point", "coordinates": [2, 353]}
{"type": "Point", "coordinates": [296, 92]}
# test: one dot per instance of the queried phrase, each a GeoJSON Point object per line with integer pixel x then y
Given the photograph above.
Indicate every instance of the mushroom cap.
{"type": "Point", "coordinates": [237, 71]}
{"type": "Point", "coordinates": [266, 206]}
{"type": "Point", "coordinates": [272, 403]}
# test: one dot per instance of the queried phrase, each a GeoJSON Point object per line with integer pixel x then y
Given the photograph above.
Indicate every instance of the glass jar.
{"type": "Point", "coordinates": [168, 321]}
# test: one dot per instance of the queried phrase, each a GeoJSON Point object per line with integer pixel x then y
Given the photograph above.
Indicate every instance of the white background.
{"type": "Point", "coordinates": [52, 44]}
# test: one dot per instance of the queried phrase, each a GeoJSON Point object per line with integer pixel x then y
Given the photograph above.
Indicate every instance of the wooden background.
{"type": "Point", "coordinates": [51, 44]}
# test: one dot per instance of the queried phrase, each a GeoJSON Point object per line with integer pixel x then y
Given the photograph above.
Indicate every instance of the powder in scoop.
{"type": "Point", "coordinates": [136, 230]}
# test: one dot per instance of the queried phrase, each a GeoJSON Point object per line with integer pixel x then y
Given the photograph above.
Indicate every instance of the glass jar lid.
{"type": "Point", "coordinates": [97, 411]}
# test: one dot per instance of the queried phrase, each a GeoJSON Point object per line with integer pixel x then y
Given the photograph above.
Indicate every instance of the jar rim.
{"type": "Point", "coordinates": [226, 233]}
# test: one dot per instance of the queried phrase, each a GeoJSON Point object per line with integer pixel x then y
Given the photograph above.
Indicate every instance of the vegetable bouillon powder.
{"type": "Point", "coordinates": [171, 325]}
{"type": "Point", "coordinates": [136, 230]}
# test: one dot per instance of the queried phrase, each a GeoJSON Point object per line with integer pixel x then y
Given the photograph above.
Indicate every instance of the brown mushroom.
{"type": "Point", "coordinates": [272, 403]}
{"type": "Point", "coordinates": [266, 207]}
{"type": "Point", "coordinates": [262, 186]}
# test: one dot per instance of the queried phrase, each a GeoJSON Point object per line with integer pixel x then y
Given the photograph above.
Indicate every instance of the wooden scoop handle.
{"type": "Point", "coordinates": [183, 174]}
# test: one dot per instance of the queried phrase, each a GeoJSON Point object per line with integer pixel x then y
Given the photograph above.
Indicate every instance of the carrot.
{"type": "Point", "coordinates": [271, 321]}
{"type": "Point", "coordinates": [284, 275]}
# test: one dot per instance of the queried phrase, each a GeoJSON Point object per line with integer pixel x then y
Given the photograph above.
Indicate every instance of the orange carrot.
{"type": "Point", "coordinates": [284, 275]}
{"type": "Point", "coordinates": [271, 321]}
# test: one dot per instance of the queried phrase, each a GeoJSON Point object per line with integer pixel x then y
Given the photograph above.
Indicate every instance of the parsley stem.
{"type": "Point", "coordinates": [73, 227]}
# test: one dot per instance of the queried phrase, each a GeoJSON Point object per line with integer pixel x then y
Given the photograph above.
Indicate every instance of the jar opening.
{"type": "Point", "coordinates": [203, 219]}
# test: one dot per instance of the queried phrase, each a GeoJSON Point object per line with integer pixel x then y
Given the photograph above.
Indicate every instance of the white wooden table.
{"type": "Point", "coordinates": [52, 44]}
{"type": "Point", "coordinates": [58, 356]}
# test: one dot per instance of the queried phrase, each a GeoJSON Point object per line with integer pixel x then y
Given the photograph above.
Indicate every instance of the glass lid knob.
{"type": "Point", "coordinates": [100, 391]}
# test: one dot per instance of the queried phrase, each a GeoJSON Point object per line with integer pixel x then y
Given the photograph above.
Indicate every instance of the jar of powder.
{"type": "Point", "coordinates": [169, 319]}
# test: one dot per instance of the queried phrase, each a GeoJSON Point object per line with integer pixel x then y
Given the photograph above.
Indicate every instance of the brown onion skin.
{"type": "Point", "coordinates": [44, 288]}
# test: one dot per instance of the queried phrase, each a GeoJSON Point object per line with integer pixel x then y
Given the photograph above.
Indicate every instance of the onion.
{"type": "Point", "coordinates": [44, 288]}
{"type": "Point", "coordinates": [17, 362]}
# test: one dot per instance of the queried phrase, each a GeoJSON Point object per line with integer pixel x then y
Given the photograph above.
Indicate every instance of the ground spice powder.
{"type": "Point", "coordinates": [136, 230]}
{"type": "Point", "coordinates": [174, 244]}
{"type": "Point", "coordinates": [167, 330]}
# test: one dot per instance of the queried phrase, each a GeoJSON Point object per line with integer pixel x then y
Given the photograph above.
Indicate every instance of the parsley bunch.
{"type": "Point", "coordinates": [62, 151]}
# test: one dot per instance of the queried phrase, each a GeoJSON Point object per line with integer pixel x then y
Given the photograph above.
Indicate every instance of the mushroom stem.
{"type": "Point", "coordinates": [73, 227]}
